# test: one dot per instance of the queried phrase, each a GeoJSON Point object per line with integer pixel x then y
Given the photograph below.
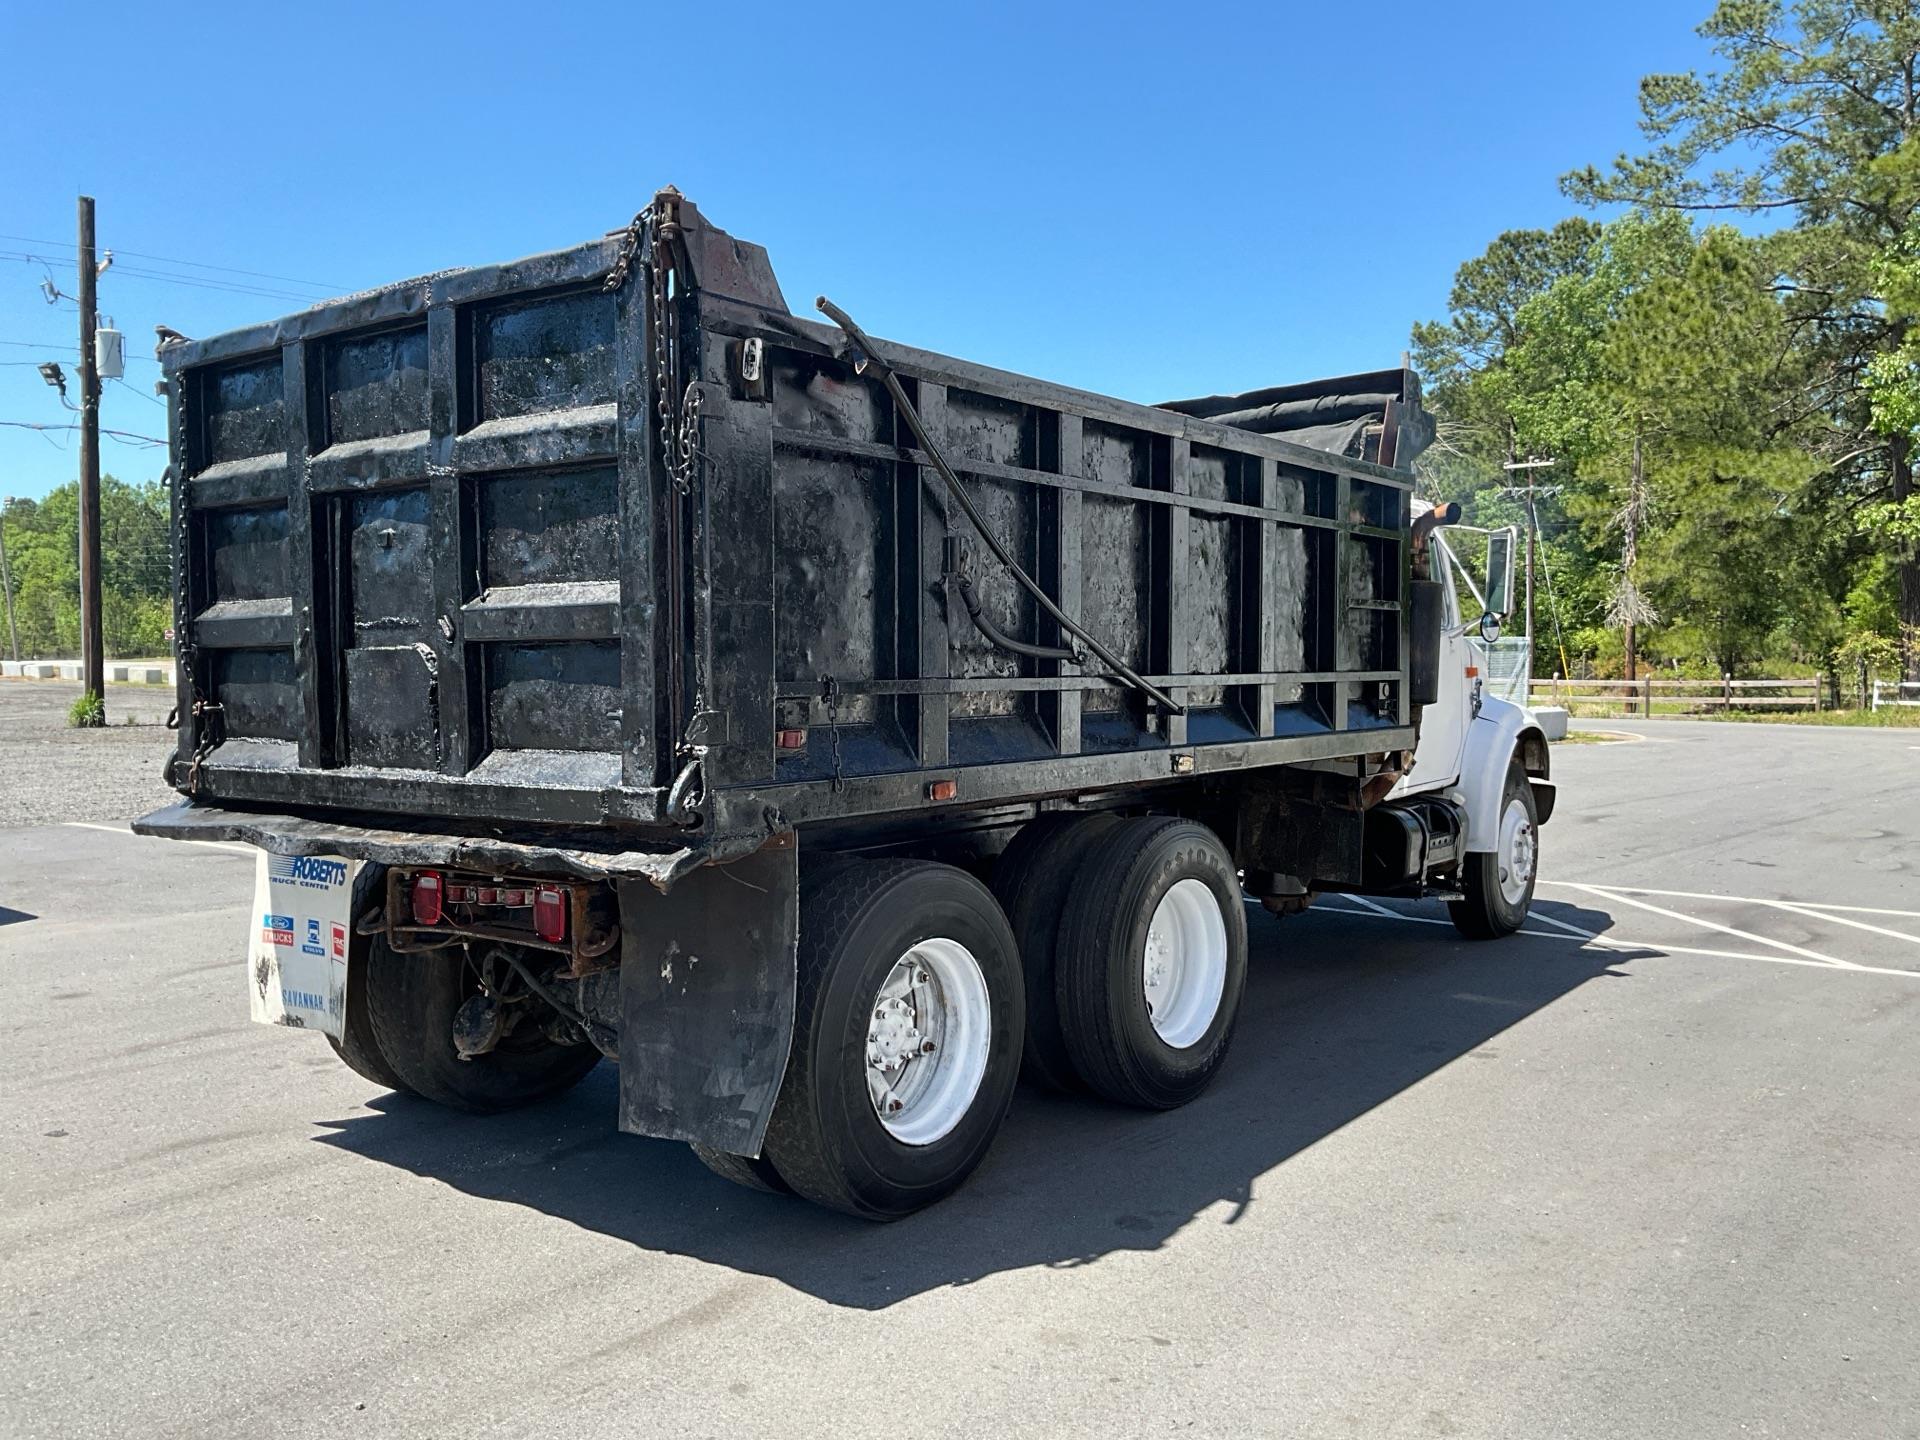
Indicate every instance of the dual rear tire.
{"type": "Point", "coordinates": [1112, 953]}
{"type": "Point", "coordinates": [411, 1001]}
{"type": "Point", "coordinates": [906, 1044]}
{"type": "Point", "coordinates": [1133, 942]}
{"type": "Point", "coordinates": [1150, 962]}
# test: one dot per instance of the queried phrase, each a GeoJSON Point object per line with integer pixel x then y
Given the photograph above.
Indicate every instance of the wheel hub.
{"type": "Point", "coordinates": [927, 1041]}
{"type": "Point", "coordinates": [893, 1039]}
{"type": "Point", "coordinates": [1183, 965]}
{"type": "Point", "coordinates": [1519, 853]}
{"type": "Point", "coordinates": [1159, 962]}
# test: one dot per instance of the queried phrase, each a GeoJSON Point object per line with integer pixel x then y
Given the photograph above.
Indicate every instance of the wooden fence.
{"type": "Point", "coordinates": [1651, 696]}
{"type": "Point", "coordinates": [1895, 692]}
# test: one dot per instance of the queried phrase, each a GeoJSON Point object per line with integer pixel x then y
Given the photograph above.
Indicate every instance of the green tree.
{"type": "Point", "coordinates": [1815, 117]}
{"type": "Point", "coordinates": [43, 549]}
{"type": "Point", "coordinates": [1692, 362]}
{"type": "Point", "coordinates": [1521, 367]}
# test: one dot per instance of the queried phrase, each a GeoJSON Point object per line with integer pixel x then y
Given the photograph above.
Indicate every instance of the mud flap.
{"type": "Point", "coordinates": [707, 979]}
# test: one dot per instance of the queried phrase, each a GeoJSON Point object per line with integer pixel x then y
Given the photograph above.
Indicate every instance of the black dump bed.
{"type": "Point", "coordinates": [542, 543]}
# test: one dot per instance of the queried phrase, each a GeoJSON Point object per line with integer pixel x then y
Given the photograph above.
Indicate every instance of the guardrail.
{"type": "Point", "coordinates": [1896, 692]}
{"type": "Point", "coordinates": [1682, 697]}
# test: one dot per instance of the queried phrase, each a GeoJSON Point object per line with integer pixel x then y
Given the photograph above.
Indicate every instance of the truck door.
{"type": "Point", "coordinates": [1443, 724]}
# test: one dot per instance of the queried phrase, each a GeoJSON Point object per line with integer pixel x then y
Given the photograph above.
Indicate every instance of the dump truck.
{"type": "Point", "coordinates": [609, 663]}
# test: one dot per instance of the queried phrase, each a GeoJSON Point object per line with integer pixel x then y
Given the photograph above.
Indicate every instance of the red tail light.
{"type": "Point", "coordinates": [550, 915]}
{"type": "Point", "coordinates": [427, 894]}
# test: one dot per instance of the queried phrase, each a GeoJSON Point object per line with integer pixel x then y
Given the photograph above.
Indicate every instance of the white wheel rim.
{"type": "Point", "coordinates": [1184, 963]}
{"type": "Point", "coordinates": [928, 1033]}
{"type": "Point", "coordinates": [1519, 852]}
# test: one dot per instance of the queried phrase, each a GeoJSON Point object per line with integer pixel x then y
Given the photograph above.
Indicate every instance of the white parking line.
{"type": "Point", "coordinates": [1799, 950]}
{"type": "Point", "coordinates": [1745, 899]}
{"type": "Point", "coordinates": [1608, 942]}
{"type": "Point", "coordinates": [1562, 925]}
{"type": "Point", "coordinates": [1812, 914]}
{"type": "Point", "coordinates": [123, 830]}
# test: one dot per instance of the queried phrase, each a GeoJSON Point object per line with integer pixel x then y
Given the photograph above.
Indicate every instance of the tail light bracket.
{"type": "Point", "coordinates": [589, 936]}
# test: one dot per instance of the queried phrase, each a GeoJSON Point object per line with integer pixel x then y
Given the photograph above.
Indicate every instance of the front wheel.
{"type": "Point", "coordinates": [906, 1039]}
{"type": "Point", "coordinates": [1497, 888]}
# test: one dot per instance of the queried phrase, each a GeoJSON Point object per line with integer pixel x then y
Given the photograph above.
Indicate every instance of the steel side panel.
{"type": "Point", "coordinates": [434, 658]}
{"type": "Point", "coordinates": [707, 984]}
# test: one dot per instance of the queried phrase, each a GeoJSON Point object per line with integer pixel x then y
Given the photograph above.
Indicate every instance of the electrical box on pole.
{"type": "Point", "coordinates": [109, 353]}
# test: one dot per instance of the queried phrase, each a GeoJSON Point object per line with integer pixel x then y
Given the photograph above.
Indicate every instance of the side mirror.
{"type": "Point", "coordinates": [1499, 586]}
{"type": "Point", "coordinates": [1489, 626]}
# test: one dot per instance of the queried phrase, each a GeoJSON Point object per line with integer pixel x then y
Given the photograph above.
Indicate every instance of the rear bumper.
{"type": "Point", "coordinates": [708, 951]}
{"type": "Point", "coordinates": [573, 855]}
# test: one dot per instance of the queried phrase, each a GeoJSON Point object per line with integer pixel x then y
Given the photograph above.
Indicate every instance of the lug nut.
{"type": "Point", "coordinates": [894, 1107]}
{"type": "Point", "coordinates": [927, 1048]}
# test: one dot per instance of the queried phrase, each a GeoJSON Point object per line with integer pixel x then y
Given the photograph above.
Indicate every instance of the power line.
{"type": "Point", "coordinates": [125, 436]}
{"type": "Point", "coordinates": [63, 349]}
{"type": "Point", "coordinates": [132, 389]}
{"type": "Point", "coordinates": [195, 282]}
{"type": "Point", "coordinates": [190, 264]}
{"type": "Point", "coordinates": [201, 282]}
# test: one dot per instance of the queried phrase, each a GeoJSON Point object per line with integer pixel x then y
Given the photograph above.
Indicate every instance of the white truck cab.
{"type": "Point", "coordinates": [1482, 755]}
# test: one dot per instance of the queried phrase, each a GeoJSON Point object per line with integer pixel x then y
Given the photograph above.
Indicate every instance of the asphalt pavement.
{"type": "Point", "coordinates": [1649, 1169]}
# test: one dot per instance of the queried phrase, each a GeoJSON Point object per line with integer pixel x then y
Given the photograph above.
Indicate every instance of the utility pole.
{"type": "Point", "coordinates": [1533, 527]}
{"type": "Point", "coordinates": [1630, 550]}
{"type": "Point", "coordinates": [92, 646]}
{"type": "Point", "coordinates": [6, 582]}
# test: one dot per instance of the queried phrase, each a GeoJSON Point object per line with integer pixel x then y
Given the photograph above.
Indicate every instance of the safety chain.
{"type": "Point", "coordinates": [632, 243]}
{"type": "Point", "coordinates": [205, 713]}
{"type": "Point", "coordinates": [830, 694]}
{"type": "Point", "coordinates": [686, 447]}
{"type": "Point", "coordinates": [679, 422]}
{"type": "Point", "coordinates": [648, 244]}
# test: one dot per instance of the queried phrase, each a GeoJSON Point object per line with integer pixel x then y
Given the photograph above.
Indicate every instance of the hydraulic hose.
{"type": "Point", "coordinates": [869, 355]}
{"type": "Point", "coordinates": [998, 638]}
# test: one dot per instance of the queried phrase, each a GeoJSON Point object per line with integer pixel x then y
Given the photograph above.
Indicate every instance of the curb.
{"type": "Point", "coordinates": [124, 673]}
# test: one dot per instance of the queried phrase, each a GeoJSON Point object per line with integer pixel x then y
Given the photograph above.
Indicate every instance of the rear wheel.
{"type": "Point", "coordinates": [755, 1172]}
{"type": "Point", "coordinates": [1152, 962]}
{"type": "Point", "coordinates": [412, 1001]}
{"type": "Point", "coordinates": [1031, 882]}
{"type": "Point", "coordinates": [1497, 888]}
{"type": "Point", "coordinates": [357, 1048]}
{"type": "Point", "coordinates": [906, 1038]}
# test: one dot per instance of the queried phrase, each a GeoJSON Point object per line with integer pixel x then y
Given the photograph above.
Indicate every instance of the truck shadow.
{"type": "Point", "coordinates": [1343, 1012]}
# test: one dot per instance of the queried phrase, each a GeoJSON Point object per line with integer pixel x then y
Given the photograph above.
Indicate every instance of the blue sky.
{"type": "Point", "coordinates": [1147, 200]}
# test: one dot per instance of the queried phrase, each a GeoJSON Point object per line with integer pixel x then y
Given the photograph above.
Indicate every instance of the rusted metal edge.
{"type": "Point", "coordinates": [282, 834]}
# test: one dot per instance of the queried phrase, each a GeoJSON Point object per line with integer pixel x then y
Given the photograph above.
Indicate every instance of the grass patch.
{"type": "Point", "coordinates": [1890, 717]}
{"type": "Point", "coordinates": [1590, 737]}
{"type": "Point", "coordinates": [89, 712]}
